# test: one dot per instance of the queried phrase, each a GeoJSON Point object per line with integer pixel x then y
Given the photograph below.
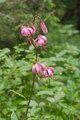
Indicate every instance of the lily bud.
{"type": "Point", "coordinates": [43, 26]}
{"type": "Point", "coordinates": [38, 68]}
{"type": "Point", "coordinates": [28, 31]}
{"type": "Point", "coordinates": [40, 41]}
{"type": "Point", "coordinates": [48, 72]}
{"type": "Point", "coordinates": [34, 29]}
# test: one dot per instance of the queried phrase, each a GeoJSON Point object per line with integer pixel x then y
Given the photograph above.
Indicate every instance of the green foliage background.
{"type": "Point", "coordinates": [56, 98]}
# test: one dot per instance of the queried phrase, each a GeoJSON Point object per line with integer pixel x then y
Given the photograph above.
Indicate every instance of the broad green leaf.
{"type": "Point", "coordinates": [31, 47]}
{"type": "Point", "coordinates": [33, 103]}
{"type": "Point", "coordinates": [50, 99]}
{"type": "Point", "coordinates": [59, 95]}
{"type": "Point", "coordinates": [45, 93]}
{"type": "Point", "coordinates": [13, 116]}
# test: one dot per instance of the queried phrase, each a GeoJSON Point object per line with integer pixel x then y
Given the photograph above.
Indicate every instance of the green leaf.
{"type": "Point", "coordinates": [13, 116]}
{"type": "Point", "coordinates": [31, 48]}
{"type": "Point", "coordinates": [33, 103]}
{"type": "Point", "coordinates": [1, 1]}
{"type": "Point", "coordinates": [45, 93]}
{"type": "Point", "coordinates": [18, 94]}
{"type": "Point", "coordinates": [59, 95]}
{"type": "Point", "coordinates": [3, 52]}
{"type": "Point", "coordinates": [50, 99]}
{"type": "Point", "coordinates": [2, 119]}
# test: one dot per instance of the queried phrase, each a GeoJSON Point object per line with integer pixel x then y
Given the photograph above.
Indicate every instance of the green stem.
{"type": "Point", "coordinates": [36, 53]}
{"type": "Point", "coordinates": [31, 93]}
{"type": "Point", "coordinates": [32, 88]}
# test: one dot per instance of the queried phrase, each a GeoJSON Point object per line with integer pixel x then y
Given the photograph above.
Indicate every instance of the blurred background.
{"type": "Point", "coordinates": [61, 16]}
{"type": "Point", "coordinates": [57, 98]}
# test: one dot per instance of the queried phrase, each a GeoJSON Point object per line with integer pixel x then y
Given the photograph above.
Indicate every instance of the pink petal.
{"type": "Point", "coordinates": [43, 26]}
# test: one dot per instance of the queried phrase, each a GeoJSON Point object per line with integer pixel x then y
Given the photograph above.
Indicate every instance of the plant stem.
{"type": "Point", "coordinates": [31, 93]}
{"type": "Point", "coordinates": [32, 88]}
{"type": "Point", "coordinates": [36, 53]}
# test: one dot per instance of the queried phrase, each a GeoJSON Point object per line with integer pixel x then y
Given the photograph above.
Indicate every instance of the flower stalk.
{"type": "Point", "coordinates": [33, 84]}
{"type": "Point", "coordinates": [31, 93]}
{"type": "Point", "coordinates": [39, 43]}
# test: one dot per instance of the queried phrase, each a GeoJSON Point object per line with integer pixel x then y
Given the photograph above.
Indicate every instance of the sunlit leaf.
{"type": "Point", "coordinates": [13, 116]}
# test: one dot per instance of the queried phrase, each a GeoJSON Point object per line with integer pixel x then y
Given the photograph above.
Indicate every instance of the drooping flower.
{"type": "Point", "coordinates": [24, 31]}
{"type": "Point", "coordinates": [43, 26]}
{"type": "Point", "coordinates": [28, 31]}
{"type": "Point", "coordinates": [40, 41]}
{"type": "Point", "coordinates": [48, 72]}
{"type": "Point", "coordinates": [38, 68]}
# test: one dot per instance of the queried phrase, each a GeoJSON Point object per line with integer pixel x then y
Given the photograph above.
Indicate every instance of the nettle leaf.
{"type": "Point", "coordinates": [50, 99]}
{"type": "Point", "coordinates": [14, 116]}
{"type": "Point", "coordinates": [62, 53]}
{"type": "Point", "coordinates": [56, 83]}
{"type": "Point", "coordinates": [31, 48]}
{"type": "Point", "coordinates": [33, 103]}
{"type": "Point", "coordinates": [4, 52]}
{"type": "Point", "coordinates": [59, 95]}
{"type": "Point", "coordinates": [45, 93]}
{"type": "Point", "coordinates": [23, 102]}
{"type": "Point", "coordinates": [41, 104]}
{"type": "Point", "coordinates": [72, 49]}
